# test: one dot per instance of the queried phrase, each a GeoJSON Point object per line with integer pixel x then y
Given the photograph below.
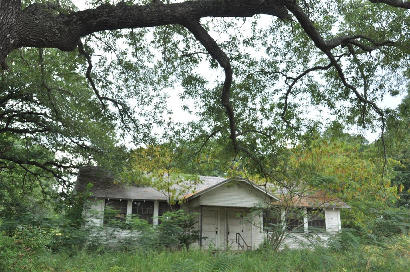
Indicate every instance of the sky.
{"type": "Point", "coordinates": [179, 115]}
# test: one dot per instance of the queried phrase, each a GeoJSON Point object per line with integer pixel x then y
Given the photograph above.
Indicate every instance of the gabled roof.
{"type": "Point", "coordinates": [103, 186]}
{"type": "Point", "coordinates": [221, 181]}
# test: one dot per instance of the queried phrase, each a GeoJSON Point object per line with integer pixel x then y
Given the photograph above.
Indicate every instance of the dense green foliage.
{"type": "Point", "coordinates": [398, 147]}
{"type": "Point", "coordinates": [393, 255]}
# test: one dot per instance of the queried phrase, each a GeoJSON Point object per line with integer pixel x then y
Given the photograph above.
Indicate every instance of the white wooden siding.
{"type": "Point", "coordinates": [332, 218]}
{"type": "Point", "coordinates": [300, 240]}
{"type": "Point", "coordinates": [233, 194]}
{"type": "Point", "coordinates": [94, 212]}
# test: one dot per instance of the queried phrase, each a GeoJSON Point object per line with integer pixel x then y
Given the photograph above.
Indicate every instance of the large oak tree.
{"type": "Point", "coordinates": [342, 55]}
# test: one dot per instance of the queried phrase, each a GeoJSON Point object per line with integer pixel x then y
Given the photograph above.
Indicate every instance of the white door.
{"type": "Point", "coordinates": [239, 227]}
{"type": "Point", "coordinates": [209, 227]}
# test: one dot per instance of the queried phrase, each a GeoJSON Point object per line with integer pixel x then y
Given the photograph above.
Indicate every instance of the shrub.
{"type": "Point", "coordinates": [347, 239]}
{"type": "Point", "coordinates": [9, 251]}
{"type": "Point", "coordinates": [393, 221]}
{"type": "Point", "coordinates": [178, 229]}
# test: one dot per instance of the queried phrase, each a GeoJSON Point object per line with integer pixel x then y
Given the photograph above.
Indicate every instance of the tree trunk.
{"type": "Point", "coordinates": [10, 11]}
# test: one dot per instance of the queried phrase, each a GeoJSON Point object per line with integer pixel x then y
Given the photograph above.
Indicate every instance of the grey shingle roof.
{"type": "Point", "coordinates": [103, 186]}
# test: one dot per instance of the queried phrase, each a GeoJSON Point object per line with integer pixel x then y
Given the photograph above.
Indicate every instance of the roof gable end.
{"type": "Point", "coordinates": [226, 181]}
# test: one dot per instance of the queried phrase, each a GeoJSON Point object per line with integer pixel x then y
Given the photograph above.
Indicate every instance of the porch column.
{"type": "Point", "coordinates": [129, 209]}
{"type": "Point", "coordinates": [156, 210]}
{"type": "Point", "coordinates": [305, 221]}
{"type": "Point", "coordinates": [200, 227]}
{"type": "Point", "coordinates": [283, 219]}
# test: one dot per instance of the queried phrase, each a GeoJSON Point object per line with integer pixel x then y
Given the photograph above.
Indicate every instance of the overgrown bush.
{"type": "Point", "coordinates": [392, 221]}
{"type": "Point", "coordinates": [9, 251]}
{"type": "Point", "coordinates": [347, 239]}
{"type": "Point", "coordinates": [17, 252]}
{"type": "Point", "coordinates": [178, 229]}
{"type": "Point", "coordinates": [67, 236]}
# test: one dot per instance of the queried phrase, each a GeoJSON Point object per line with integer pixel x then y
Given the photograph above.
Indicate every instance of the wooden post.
{"type": "Point", "coordinates": [156, 212]}
{"type": "Point", "coordinates": [305, 221]}
{"type": "Point", "coordinates": [129, 209]}
{"type": "Point", "coordinates": [200, 227]}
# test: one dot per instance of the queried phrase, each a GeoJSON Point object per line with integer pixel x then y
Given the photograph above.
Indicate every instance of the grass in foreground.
{"type": "Point", "coordinates": [393, 256]}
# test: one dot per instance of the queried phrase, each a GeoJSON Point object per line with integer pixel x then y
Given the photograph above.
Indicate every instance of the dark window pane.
{"type": "Point", "coordinates": [166, 207]}
{"type": "Point", "coordinates": [294, 220]}
{"type": "Point", "coordinates": [143, 209]}
{"type": "Point", "coordinates": [316, 220]}
{"type": "Point", "coordinates": [115, 211]}
{"type": "Point", "coordinates": [272, 219]}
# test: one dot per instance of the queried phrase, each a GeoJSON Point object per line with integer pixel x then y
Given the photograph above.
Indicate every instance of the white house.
{"type": "Point", "coordinates": [227, 218]}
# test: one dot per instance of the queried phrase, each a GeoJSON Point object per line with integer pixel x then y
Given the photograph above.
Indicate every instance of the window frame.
{"type": "Point", "coordinates": [119, 212]}
{"type": "Point", "coordinates": [297, 225]}
{"type": "Point", "coordinates": [144, 210]}
{"type": "Point", "coordinates": [317, 221]}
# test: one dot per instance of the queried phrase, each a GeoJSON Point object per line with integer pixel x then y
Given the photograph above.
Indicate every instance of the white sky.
{"type": "Point", "coordinates": [179, 115]}
{"type": "Point", "coordinates": [81, 4]}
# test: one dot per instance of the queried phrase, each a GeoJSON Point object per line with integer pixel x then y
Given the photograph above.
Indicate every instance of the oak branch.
{"type": "Point", "coordinates": [48, 26]}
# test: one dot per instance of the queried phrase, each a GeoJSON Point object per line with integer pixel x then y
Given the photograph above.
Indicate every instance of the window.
{"type": "Point", "coordinates": [166, 207]}
{"type": "Point", "coordinates": [144, 209]}
{"type": "Point", "coordinates": [316, 219]}
{"type": "Point", "coordinates": [115, 211]}
{"type": "Point", "coordinates": [272, 219]}
{"type": "Point", "coordinates": [294, 220]}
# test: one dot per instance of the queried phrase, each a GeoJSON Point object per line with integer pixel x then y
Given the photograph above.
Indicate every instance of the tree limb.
{"type": "Point", "coordinates": [40, 25]}
{"type": "Point", "coordinates": [294, 81]}
{"type": "Point", "coordinates": [88, 72]}
{"type": "Point", "coordinates": [393, 3]}
{"type": "Point", "coordinates": [310, 29]}
{"type": "Point", "coordinates": [216, 52]}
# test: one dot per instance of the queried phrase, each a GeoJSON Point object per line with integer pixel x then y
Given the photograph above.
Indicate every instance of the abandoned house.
{"type": "Point", "coordinates": [224, 208]}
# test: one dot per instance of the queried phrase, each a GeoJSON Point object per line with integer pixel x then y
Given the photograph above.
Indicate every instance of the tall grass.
{"type": "Point", "coordinates": [392, 256]}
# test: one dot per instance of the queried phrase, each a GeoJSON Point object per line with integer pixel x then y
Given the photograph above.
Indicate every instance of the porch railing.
{"type": "Point", "coordinates": [241, 242]}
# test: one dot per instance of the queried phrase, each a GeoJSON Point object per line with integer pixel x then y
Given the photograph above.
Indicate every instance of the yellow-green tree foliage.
{"type": "Point", "coordinates": [159, 166]}
{"type": "Point", "coordinates": [351, 171]}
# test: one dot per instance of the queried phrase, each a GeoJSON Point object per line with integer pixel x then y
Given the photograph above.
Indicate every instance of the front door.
{"type": "Point", "coordinates": [210, 227]}
{"type": "Point", "coordinates": [239, 227]}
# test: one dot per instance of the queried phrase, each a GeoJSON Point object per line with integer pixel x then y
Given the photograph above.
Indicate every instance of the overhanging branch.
{"type": "Point", "coordinates": [393, 3]}
{"type": "Point", "coordinates": [41, 25]}
{"type": "Point", "coordinates": [325, 47]}
{"type": "Point", "coordinates": [219, 55]}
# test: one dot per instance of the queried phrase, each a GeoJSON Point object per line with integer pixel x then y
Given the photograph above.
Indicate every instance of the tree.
{"type": "Point", "coordinates": [26, 193]}
{"type": "Point", "coordinates": [398, 134]}
{"type": "Point", "coordinates": [342, 56]}
{"type": "Point", "coordinates": [350, 170]}
{"type": "Point", "coordinates": [48, 109]}
{"type": "Point", "coordinates": [159, 166]}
